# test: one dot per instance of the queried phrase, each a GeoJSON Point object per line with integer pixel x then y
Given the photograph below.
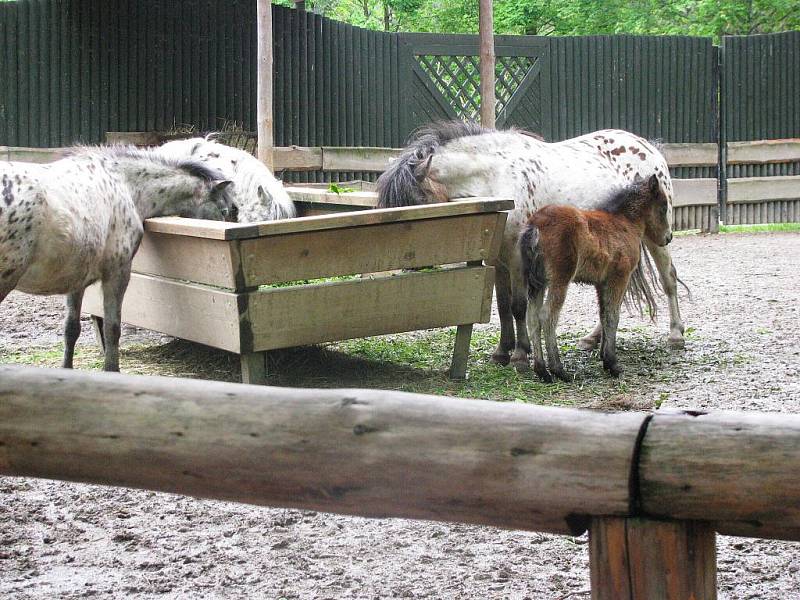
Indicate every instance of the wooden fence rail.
{"type": "Point", "coordinates": [652, 488]}
{"type": "Point", "coordinates": [764, 199]}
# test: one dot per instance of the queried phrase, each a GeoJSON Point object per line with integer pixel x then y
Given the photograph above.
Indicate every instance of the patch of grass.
{"type": "Point", "coordinates": [768, 227]}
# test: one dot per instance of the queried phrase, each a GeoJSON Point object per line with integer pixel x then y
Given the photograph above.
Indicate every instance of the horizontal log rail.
{"type": "Point", "coordinates": [652, 489]}
{"type": "Point", "coordinates": [385, 453]}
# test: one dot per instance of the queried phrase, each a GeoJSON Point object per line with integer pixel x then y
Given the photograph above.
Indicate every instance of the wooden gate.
{"type": "Point", "coordinates": [442, 79]}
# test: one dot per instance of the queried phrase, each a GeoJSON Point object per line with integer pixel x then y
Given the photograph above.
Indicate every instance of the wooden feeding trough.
{"type": "Point", "coordinates": [250, 288]}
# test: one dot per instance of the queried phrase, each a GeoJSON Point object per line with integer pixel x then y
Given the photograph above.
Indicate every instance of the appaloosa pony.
{"type": "Point", "coordinates": [602, 247]}
{"type": "Point", "coordinates": [78, 220]}
{"type": "Point", "coordinates": [452, 160]}
{"type": "Point", "coordinates": [258, 196]}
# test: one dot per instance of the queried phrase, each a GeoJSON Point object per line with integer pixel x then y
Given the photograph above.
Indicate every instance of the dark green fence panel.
{"type": "Point", "coordinates": [761, 80]}
{"type": "Point", "coordinates": [660, 87]}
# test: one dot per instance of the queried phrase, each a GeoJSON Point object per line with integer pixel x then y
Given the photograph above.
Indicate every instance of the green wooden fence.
{"type": "Point", "coordinates": [71, 70]}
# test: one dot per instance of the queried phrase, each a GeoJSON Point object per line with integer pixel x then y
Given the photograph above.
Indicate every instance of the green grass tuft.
{"type": "Point", "coordinates": [768, 227]}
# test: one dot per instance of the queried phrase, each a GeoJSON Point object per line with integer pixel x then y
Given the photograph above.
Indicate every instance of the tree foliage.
{"type": "Point", "coordinates": [572, 17]}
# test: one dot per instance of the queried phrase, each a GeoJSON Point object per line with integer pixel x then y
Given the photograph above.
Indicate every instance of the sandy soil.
{"type": "Point", "coordinates": [60, 540]}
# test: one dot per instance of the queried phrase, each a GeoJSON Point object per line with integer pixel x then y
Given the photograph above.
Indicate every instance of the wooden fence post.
{"type": "Point", "coordinates": [643, 559]}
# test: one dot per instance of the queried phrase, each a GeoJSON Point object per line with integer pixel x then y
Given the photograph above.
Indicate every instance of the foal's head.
{"type": "Point", "coordinates": [645, 202]}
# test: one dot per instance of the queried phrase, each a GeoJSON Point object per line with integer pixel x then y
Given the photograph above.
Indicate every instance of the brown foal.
{"type": "Point", "coordinates": [562, 244]}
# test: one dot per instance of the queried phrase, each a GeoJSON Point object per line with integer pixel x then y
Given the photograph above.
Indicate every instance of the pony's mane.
{"type": "Point", "coordinates": [188, 165]}
{"type": "Point", "coordinates": [625, 200]}
{"type": "Point", "coordinates": [398, 185]}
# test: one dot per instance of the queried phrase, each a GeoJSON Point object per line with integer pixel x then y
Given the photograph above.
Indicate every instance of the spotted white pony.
{"type": "Point", "coordinates": [257, 194]}
{"type": "Point", "coordinates": [78, 220]}
{"type": "Point", "coordinates": [452, 160]}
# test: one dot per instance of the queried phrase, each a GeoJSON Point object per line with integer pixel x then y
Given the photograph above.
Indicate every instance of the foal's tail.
{"type": "Point", "coordinates": [640, 295]}
{"type": "Point", "coordinates": [533, 272]}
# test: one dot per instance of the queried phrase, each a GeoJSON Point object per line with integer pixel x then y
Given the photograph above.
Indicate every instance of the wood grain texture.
{"type": "Point", "coordinates": [310, 314]}
{"type": "Point", "coordinates": [32, 155]}
{"type": "Point", "coordinates": [233, 231]}
{"type": "Point", "coordinates": [691, 155]}
{"type": "Point", "coordinates": [643, 559]}
{"type": "Point", "coordinates": [756, 189]}
{"type": "Point", "coordinates": [197, 259]}
{"type": "Point", "coordinates": [362, 452]}
{"type": "Point", "coordinates": [192, 312]}
{"type": "Point", "coordinates": [694, 192]}
{"type": "Point", "coordinates": [732, 468]}
{"type": "Point", "coordinates": [764, 151]}
{"type": "Point", "coordinates": [369, 249]}
{"type": "Point", "coordinates": [323, 196]}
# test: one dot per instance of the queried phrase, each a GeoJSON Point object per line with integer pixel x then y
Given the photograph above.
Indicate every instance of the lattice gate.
{"type": "Point", "coordinates": [442, 79]}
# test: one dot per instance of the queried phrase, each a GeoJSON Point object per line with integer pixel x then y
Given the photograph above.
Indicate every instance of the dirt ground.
{"type": "Point", "coordinates": [61, 540]}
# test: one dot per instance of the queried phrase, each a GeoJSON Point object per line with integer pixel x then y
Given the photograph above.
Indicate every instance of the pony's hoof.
{"type": "Point", "coordinates": [676, 342]}
{"type": "Point", "coordinates": [562, 375]}
{"type": "Point", "coordinates": [541, 370]}
{"type": "Point", "coordinates": [500, 358]}
{"type": "Point", "coordinates": [521, 366]}
{"type": "Point", "coordinates": [587, 344]}
{"type": "Point", "coordinates": [613, 370]}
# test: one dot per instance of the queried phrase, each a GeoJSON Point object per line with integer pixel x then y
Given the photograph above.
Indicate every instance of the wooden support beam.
{"type": "Point", "coordinates": [264, 115]}
{"type": "Point", "coordinates": [487, 62]}
{"type": "Point", "coordinates": [642, 559]}
{"type": "Point", "coordinates": [364, 452]}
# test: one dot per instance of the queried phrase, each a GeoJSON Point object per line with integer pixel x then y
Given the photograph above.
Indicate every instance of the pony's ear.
{"type": "Point", "coordinates": [652, 184]}
{"type": "Point", "coordinates": [262, 194]}
{"type": "Point", "coordinates": [220, 185]}
{"type": "Point", "coordinates": [422, 169]}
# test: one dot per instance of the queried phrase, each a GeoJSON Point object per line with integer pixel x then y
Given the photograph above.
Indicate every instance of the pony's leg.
{"type": "Point", "coordinates": [519, 307]}
{"type": "Point", "coordinates": [72, 326]}
{"type": "Point", "coordinates": [610, 301]}
{"type": "Point", "coordinates": [502, 285]}
{"type": "Point", "coordinates": [669, 281]}
{"type": "Point", "coordinates": [556, 296]}
{"type": "Point", "coordinates": [591, 341]}
{"type": "Point", "coordinates": [114, 287]}
{"type": "Point", "coordinates": [535, 331]}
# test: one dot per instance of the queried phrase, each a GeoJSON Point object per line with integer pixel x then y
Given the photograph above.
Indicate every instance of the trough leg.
{"type": "Point", "coordinates": [639, 559]}
{"type": "Point", "coordinates": [254, 368]}
{"type": "Point", "coordinates": [458, 368]}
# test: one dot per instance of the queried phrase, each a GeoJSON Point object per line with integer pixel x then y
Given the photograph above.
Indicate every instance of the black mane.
{"type": "Point", "coordinates": [624, 199]}
{"type": "Point", "coordinates": [399, 185]}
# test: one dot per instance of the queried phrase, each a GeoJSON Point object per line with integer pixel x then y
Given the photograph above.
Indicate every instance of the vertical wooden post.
{"type": "Point", "coordinates": [266, 139]}
{"type": "Point", "coordinates": [254, 368]}
{"type": "Point", "coordinates": [639, 559]}
{"type": "Point", "coordinates": [486, 32]}
{"type": "Point", "coordinates": [458, 366]}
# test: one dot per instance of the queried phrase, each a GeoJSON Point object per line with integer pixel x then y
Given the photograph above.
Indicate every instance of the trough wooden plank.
{"type": "Point", "coordinates": [323, 196]}
{"type": "Point", "coordinates": [369, 249]}
{"type": "Point", "coordinates": [365, 452]}
{"type": "Point", "coordinates": [197, 259]}
{"type": "Point", "coordinates": [757, 189]}
{"type": "Point", "coordinates": [691, 155]}
{"type": "Point", "coordinates": [732, 468]}
{"type": "Point", "coordinates": [297, 315]}
{"type": "Point", "coordinates": [232, 231]}
{"type": "Point", "coordinates": [192, 312]}
{"type": "Point", "coordinates": [694, 192]}
{"type": "Point", "coordinates": [764, 151]}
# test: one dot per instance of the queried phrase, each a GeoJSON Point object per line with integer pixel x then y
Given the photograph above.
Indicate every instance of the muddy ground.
{"type": "Point", "coordinates": [60, 540]}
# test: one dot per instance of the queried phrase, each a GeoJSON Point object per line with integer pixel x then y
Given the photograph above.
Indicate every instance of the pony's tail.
{"type": "Point", "coordinates": [533, 272]}
{"type": "Point", "coordinates": [640, 295]}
